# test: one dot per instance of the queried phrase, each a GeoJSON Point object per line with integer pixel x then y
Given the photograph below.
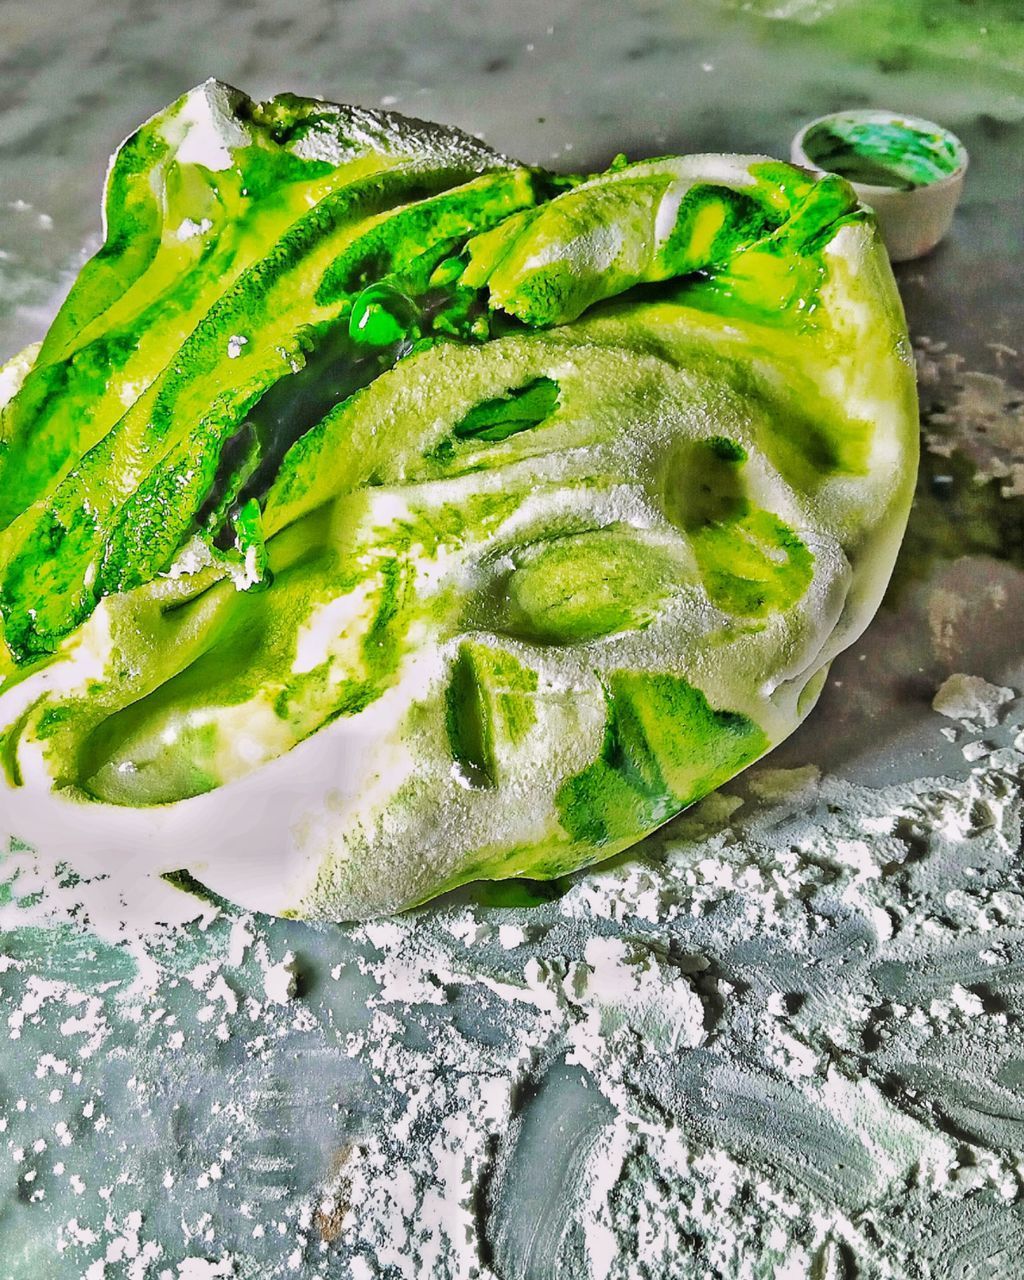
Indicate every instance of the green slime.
{"type": "Point", "coordinates": [310, 372]}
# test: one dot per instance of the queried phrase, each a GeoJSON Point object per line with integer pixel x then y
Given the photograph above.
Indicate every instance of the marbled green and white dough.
{"type": "Point", "coordinates": [434, 518]}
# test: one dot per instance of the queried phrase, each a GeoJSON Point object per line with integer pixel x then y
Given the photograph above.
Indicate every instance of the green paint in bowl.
{"type": "Point", "coordinates": [909, 171]}
{"type": "Point", "coordinates": [883, 152]}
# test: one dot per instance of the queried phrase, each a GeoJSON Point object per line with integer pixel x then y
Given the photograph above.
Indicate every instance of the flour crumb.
{"type": "Point", "coordinates": [971, 698]}
{"type": "Point", "coordinates": [280, 981]}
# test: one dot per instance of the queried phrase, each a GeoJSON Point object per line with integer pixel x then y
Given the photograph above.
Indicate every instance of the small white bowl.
{"type": "Point", "coordinates": [912, 219]}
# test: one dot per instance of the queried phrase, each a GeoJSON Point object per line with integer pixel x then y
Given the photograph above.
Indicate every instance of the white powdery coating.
{"type": "Point", "coordinates": [205, 129]}
{"type": "Point", "coordinates": [625, 985]}
{"type": "Point", "coordinates": [189, 229]}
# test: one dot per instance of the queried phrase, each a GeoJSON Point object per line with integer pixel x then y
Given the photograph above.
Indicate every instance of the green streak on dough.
{"type": "Point", "coordinates": [751, 563]}
{"type": "Point", "coordinates": [131, 524]}
{"type": "Point", "coordinates": [146, 288]}
{"type": "Point", "coordinates": [753, 566]}
{"type": "Point", "coordinates": [507, 415]}
{"type": "Point", "coordinates": [489, 708]}
{"type": "Point", "coordinates": [712, 222]}
{"type": "Point", "coordinates": [664, 748]}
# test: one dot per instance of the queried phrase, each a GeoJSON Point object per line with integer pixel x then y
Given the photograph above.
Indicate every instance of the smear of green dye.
{"type": "Point", "coordinates": [507, 415]}
{"type": "Point", "coordinates": [582, 586]}
{"type": "Point", "coordinates": [664, 747]}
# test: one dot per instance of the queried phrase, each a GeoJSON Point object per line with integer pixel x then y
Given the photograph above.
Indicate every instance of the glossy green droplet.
{"type": "Point", "coordinates": [382, 316]}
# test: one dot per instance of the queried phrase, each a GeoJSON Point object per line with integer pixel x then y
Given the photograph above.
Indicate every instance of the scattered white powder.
{"type": "Point", "coordinates": [982, 415]}
{"type": "Point", "coordinates": [627, 986]}
{"type": "Point", "coordinates": [201, 1269]}
{"type": "Point", "coordinates": [782, 1040]}
{"type": "Point", "coordinates": [240, 941]}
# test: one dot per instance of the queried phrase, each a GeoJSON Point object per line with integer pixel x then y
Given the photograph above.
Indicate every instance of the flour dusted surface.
{"type": "Point", "coordinates": [781, 1041]}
